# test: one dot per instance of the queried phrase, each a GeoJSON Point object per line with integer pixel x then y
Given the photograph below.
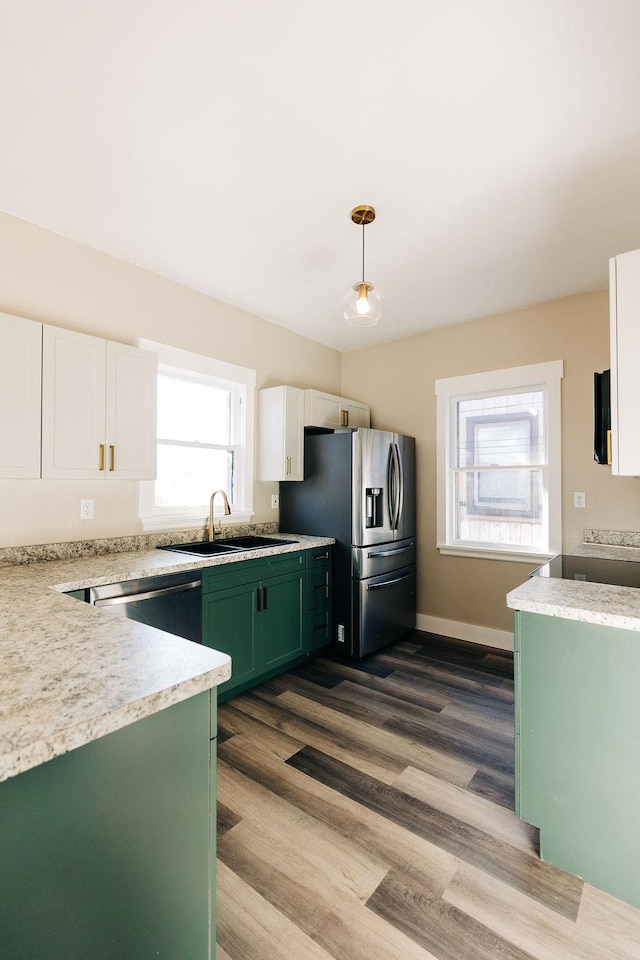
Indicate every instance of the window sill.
{"type": "Point", "coordinates": [487, 553]}
{"type": "Point", "coordinates": [186, 521]}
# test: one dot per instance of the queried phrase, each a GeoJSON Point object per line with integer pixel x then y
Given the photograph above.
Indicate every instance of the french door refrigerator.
{"type": "Point", "coordinates": [359, 487]}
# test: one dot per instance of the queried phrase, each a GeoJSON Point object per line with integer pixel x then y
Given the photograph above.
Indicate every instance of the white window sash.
{"type": "Point", "coordinates": [242, 382]}
{"type": "Point", "coordinates": [449, 391]}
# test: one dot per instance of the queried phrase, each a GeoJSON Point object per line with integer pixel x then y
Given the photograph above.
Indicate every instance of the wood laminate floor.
{"type": "Point", "coordinates": [365, 813]}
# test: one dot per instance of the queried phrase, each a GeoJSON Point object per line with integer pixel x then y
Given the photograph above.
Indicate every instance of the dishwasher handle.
{"type": "Point", "coordinates": [148, 595]}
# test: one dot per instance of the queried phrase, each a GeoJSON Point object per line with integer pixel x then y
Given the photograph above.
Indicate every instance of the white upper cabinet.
{"type": "Point", "coordinates": [326, 410]}
{"type": "Point", "coordinates": [20, 397]}
{"type": "Point", "coordinates": [131, 412]}
{"type": "Point", "coordinates": [99, 408]}
{"type": "Point", "coordinates": [625, 350]}
{"type": "Point", "coordinates": [280, 433]}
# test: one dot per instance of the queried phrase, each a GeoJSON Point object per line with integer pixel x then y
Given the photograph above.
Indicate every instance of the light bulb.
{"type": "Point", "coordinates": [362, 305]}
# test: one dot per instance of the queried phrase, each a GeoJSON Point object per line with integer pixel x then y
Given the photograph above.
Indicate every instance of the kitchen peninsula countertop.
{"type": "Point", "coordinates": [71, 672]}
{"type": "Point", "coordinates": [602, 603]}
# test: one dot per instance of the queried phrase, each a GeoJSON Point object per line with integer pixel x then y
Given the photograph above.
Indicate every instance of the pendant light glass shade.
{"type": "Point", "coordinates": [362, 303]}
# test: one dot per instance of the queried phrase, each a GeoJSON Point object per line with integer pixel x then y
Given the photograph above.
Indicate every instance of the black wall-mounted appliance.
{"type": "Point", "coordinates": [602, 417]}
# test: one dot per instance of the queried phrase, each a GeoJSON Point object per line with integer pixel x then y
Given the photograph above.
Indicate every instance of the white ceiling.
{"type": "Point", "coordinates": [223, 144]}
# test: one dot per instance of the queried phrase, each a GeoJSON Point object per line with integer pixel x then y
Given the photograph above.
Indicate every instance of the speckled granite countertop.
{"type": "Point", "coordinates": [602, 603]}
{"type": "Point", "coordinates": [70, 672]}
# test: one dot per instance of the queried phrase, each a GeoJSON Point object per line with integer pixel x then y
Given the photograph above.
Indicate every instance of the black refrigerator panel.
{"type": "Point", "coordinates": [321, 505]}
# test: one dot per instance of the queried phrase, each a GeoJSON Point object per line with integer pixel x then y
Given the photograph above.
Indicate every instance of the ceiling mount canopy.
{"type": "Point", "coordinates": [362, 303]}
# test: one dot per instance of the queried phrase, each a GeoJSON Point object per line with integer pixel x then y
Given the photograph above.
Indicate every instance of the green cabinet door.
{"type": "Point", "coordinates": [317, 628]}
{"type": "Point", "coordinates": [281, 620]}
{"type": "Point", "coordinates": [105, 850]}
{"type": "Point", "coordinates": [230, 624]}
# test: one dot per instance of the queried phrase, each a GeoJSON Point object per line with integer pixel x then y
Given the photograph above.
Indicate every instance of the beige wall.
{"type": "Point", "coordinates": [398, 378]}
{"type": "Point", "coordinates": [48, 278]}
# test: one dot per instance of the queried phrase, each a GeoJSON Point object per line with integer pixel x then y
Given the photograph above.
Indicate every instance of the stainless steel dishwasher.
{"type": "Point", "coordinates": [170, 602]}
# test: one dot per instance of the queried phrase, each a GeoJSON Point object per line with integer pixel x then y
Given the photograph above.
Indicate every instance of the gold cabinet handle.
{"type": "Point", "coordinates": [344, 418]}
{"type": "Point", "coordinates": [112, 457]}
{"type": "Point", "coordinates": [609, 447]}
{"type": "Point", "coordinates": [101, 467]}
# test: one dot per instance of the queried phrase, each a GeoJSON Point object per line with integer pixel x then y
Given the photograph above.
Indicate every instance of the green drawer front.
{"type": "Point", "coordinates": [317, 629]}
{"type": "Point", "coordinates": [318, 555]}
{"type": "Point", "coordinates": [246, 571]}
{"type": "Point", "coordinates": [318, 587]}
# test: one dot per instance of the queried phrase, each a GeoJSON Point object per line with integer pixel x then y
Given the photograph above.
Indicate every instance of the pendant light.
{"type": "Point", "coordinates": [362, 303]}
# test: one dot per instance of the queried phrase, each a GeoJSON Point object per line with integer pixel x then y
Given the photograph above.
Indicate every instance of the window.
{"type": "Point", "coordinates": [498, 450]}
{"type": "Point", "coordinates": [205, 439]}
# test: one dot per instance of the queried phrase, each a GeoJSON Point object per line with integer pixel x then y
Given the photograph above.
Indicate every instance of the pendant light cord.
{"type": "Point", "coordinates": [363, 226]}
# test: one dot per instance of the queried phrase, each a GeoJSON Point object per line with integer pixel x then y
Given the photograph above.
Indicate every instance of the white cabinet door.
{"type": "Point", "coordinates": [131, 403]}
{"type": "Point", "coordinates": [73, 405]}
{"type": "Point", "coordinates": [20, 397]}
{"type": "Point", "coordinates": [280, 433]}
{"type": "Point", "coordinates": [625, 350]}
{"type": "Point", "coordinates": [321, 410]}
{"type": "Point", "coordinates": [354, 414]}
{"type": "Point", "coordinates": [98, 408]}
{"type": "Point", "coordinates": [326, 410]}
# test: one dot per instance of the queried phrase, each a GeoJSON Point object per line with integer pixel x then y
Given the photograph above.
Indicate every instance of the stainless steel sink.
{"type": "Point", "coordinates": [207, 548]}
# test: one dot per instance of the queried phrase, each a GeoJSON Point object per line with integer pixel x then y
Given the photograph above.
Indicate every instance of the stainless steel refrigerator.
{"type": "Point", "coordinates": [359, 487]}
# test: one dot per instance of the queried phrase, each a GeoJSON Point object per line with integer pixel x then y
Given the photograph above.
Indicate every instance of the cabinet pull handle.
{"type": "Point", "coordinates": [101, 467]}
{"type": "Point", "coordinates": [321, 556]}
{"type": "Point", "coordinates": [259, 599]}
{"type": "Point", "coordinates": [609, 447]}
{"type": "Point", "coordinates": [288, 466]}
{"type": "Point", "coordinates": [264, 598]}
{"type": "Point", "coordinates": [112, 457]}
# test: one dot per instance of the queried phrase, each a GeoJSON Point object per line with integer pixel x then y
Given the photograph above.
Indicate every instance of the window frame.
{"type": "Point", "coordinates": [242, 380]}
{"type": "Point", "coordinates": [451, 390]}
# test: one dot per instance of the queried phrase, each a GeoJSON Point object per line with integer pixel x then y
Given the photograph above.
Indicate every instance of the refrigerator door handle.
{"type": "Point", "coordinates": [394, 470]}
{"type": "Point", "coordinates": [400, 485]}
{"type": "Point", "coordinates": [387, 583]}
{"type": "Point", "coordinates": [391, 487]}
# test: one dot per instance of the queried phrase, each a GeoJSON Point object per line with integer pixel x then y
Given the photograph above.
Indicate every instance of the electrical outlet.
{"type": "Point", "coordinates": [275, 501]}
{"type": "Point", "coordinates": [86, 509]}
{"type": "Point", "coordinates": [580, 500]}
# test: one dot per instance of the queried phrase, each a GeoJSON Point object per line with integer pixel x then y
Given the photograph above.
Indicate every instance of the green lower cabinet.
{"type": "Point", "coordinates": [578, 747]}
{"type": "Point", "coordinates": [259, 621]}
{"type": "Point", "coordinates": [267, 613]}
{"type": "Point", "coordinates": [108, 851]}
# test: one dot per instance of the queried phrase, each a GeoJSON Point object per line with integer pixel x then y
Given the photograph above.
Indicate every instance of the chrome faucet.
{"type": "Point", "coordinates": [227, 511]}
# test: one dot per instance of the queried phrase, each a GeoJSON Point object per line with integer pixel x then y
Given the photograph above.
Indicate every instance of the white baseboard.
{"type": "Point", "coordinates": [487, 636]}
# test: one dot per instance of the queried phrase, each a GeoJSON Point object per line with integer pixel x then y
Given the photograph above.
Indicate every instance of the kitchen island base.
{"type": "Point", "coordinates": [578, 747]}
